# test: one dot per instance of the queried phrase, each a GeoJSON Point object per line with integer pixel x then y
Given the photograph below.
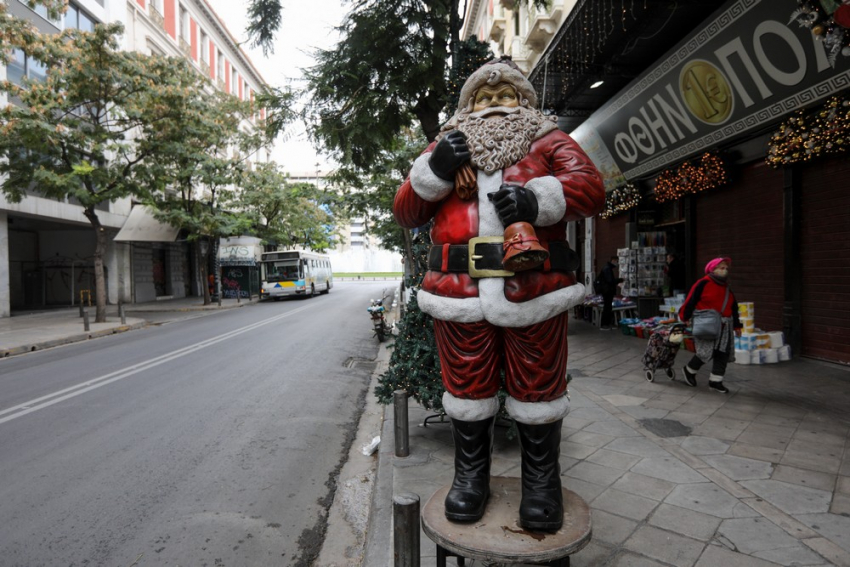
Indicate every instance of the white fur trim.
{"type": "Point", "coordinates": [551, 204]}
{"type": "Point", "coordinates": [425, 183]}
{"type": "Point", "coordinates": [470, 410]}
{"type": "Point", "coordinates": [503, 313]}
{"type": "Point", "coordinates": [488, 219]}
{"type": "Point", "coordinates": [455, 309]}
{"type": "Point", "coordinates": [715, 378]}
{"type": "Point", "coordinates": [538, 413]}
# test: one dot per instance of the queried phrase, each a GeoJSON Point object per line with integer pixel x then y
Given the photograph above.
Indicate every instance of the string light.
{"type": "Point", "coordinates": [807, 135]}
{"type": "Point", "coordinates": [706, 174]}
{"type": "Point", "coordinates": [620, 200]}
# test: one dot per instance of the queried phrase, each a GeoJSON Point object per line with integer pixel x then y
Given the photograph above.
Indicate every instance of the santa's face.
{"type": "Point", "coordinates": [502, 94]}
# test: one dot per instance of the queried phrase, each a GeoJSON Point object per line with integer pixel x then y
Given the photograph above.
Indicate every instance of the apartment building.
{"type": "Point", "coordinates": [46, 246]}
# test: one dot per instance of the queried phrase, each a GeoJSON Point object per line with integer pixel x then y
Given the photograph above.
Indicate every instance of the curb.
{"type": "Point", "coordinates": [42, 345]}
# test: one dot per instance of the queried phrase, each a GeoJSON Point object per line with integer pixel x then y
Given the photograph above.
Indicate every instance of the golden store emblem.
{"type": "Point", "coordinates": [706, 92]}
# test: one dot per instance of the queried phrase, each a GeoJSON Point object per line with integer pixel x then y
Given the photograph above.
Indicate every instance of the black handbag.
{"type": "Point", "coordinates": [706, 323]}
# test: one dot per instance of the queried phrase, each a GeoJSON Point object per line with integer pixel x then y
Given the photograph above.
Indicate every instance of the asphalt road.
{"type": "Point", "coordinates": [210, 440]}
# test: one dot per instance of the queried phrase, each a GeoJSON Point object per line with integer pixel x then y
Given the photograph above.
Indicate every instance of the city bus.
{"type": "Point", "coordinates": [294, 273]}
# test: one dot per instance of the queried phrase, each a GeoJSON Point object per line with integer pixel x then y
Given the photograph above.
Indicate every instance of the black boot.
{"type": "Point", "coordinates": [542, 506]}
{"type": "Point", "coordinates": [467, 498]}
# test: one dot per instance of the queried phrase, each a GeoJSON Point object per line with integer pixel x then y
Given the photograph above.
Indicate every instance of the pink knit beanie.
{"type": "Point", "coordinates": [713, 264]}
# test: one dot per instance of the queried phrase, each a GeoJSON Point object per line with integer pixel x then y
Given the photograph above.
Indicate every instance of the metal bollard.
{"type": "Point", "coordinates": [122, 314]}
{"type": "Point", "coordinates": [406, 529]}
{"type": "Point", "coordinates": [86, 326]}
{"type": "Point", "coordinates": [82, 309]}
{"type": "Point", "coordinates": [402, 445]}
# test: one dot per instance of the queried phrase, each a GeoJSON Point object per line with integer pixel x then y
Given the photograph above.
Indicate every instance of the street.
{"type": "Point", "coordinates": [210, 440]}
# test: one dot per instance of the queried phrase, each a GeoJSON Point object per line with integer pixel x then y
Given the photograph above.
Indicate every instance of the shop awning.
{"type": "Point", "coordinates": [141, 226]}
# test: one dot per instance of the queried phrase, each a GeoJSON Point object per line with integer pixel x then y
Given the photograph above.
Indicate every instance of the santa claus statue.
{"type": "Point", "coordinates": [499, 161]}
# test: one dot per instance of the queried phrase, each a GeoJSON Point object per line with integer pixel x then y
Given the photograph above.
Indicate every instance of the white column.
{"type": "Point", "coordinates": [5, 292]}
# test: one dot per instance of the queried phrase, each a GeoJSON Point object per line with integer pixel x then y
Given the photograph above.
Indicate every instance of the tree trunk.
{"type": "Point", "coordinates": [99, 277]}
{"type": "Point", "coordinates": [203, 261]}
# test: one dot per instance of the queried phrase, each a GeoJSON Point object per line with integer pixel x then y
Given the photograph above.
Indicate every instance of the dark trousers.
{"type": "Point", "coordinates": [718, 363]}
{"type": "Point", "coordinates": [607, 318]}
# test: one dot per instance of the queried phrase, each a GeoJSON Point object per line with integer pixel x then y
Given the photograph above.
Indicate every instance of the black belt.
{"type": "Point", "coordinates": [487, 252]}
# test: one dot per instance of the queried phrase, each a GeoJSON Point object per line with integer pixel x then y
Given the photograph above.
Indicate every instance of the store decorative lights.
{"type": "Point", "coordinates": [708, 173]}
{"type": "Point", "coordinates": [809, 134]}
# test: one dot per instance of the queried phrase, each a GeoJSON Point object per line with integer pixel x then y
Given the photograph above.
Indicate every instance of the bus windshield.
{"type": "Point", "coordinates": [282, 271]}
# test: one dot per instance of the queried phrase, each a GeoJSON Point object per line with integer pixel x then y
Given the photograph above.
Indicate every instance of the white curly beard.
{"type": "Point", "coordinates": [499, 141]}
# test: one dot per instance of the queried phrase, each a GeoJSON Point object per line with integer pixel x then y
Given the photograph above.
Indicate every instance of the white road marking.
{"type": "Point", "coordinates": [67, 393]}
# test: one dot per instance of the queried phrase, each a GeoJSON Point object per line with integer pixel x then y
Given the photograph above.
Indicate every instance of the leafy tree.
{"type": "Point", "coordinates": [194, 183]}
{"type": "Point", "coordinates": [72, 135]}
{"type": "Point", "coordinates": [286, 214]}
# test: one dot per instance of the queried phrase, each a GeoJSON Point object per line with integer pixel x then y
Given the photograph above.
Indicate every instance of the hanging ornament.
{"type": "Point", "coordinates": [841, 16]}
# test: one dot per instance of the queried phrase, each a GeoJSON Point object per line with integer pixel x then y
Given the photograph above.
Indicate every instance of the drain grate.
{"type": "Point", "coordinates": [360, 363]}
{"type": "Point", "coordinates": [665, 427]}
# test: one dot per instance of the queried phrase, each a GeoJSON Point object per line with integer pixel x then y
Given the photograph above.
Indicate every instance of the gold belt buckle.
{"type": "Point", "coordinates": [473, 257]}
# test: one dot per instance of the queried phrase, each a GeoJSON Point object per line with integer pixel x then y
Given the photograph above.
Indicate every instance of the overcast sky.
{"type": "Point", "coordinates": [304, 27]}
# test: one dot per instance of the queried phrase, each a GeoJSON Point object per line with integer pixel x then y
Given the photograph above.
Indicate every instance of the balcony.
{"type": "Point", "coordinates": [186, 48]}
{"type": "Point", "coordinates": [544, 25]}
{"type": "Point", "coordinates": [498, 28]}
{"type": "Point", "coordinates": [157, 16]}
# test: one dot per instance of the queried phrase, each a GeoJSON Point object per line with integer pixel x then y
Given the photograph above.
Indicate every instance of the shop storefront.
{"type": "Point", "coordinates": [692, 135]}
{"type": "Point", "coordinates": [240, 273]}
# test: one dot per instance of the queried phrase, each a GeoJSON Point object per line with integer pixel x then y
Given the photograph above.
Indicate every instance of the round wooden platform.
{"type": "Point", "coordinates": [498, 537]}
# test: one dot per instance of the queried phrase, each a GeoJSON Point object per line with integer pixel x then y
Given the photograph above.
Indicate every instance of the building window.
{"type": "Point", "coordinates": [21, 66]}
{"type": "Point", "coordinates": [41, 11]}
{"type": "Point", "coordinates": [205, 51]}
{"type": "Point", "coordinates": [184, 24]}
{"type": "Point", "coordinates": [220, 67]}
{"type": "Point", "coordinates": [75, 18]}
{"type": "Point", "coordinates": [234, 87]}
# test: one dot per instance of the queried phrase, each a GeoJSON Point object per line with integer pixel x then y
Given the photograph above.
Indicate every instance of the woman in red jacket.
{"type": "Point", "coordinates": [710, 293]}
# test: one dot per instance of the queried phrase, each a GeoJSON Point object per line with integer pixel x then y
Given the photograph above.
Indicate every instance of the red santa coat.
{"type": "Point", "coordinates": [567, 187]}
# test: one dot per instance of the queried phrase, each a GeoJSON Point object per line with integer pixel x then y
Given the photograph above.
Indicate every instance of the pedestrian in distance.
{"type": "Point", "coordinates": [606, 286]}
{"type": "Point", "coordinates": [675, 270]}
{"type": "Point", "coordinates": [710, 292]}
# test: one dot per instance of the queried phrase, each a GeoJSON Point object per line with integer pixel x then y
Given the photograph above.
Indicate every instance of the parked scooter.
{"type": "Point", "coordinates": [379, 324]}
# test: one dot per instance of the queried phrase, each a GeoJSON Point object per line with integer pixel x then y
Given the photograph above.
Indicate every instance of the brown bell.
{"type": "Point", "coordinates": [522, 248]}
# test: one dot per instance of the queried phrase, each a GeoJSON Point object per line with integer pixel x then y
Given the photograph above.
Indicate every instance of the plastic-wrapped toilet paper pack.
{"type": "Point", "coordinates": [757, 356]}
{"type": "Point", "coordinates": [777, 339]}
{"type": "Point", "coordinates": [762, 340]}
{"type": "Point", "coordinates": [742, 356]}
{"type": "Point", "coordinates": [746, 309]}
{"type": "Point", "coordinates": [784, 353]}
{"type": "Point", "coordinates": [747, 341]}
{"type": "Point", "coordinates": [748, 324]}
{"type": "Point", "coordinates": [771, 355]}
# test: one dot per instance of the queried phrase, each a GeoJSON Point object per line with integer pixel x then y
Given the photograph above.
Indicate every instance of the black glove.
{"type": "Point", "coordinates": [448, 155]}
{"type": "Point", "coordinates": [514, 204]}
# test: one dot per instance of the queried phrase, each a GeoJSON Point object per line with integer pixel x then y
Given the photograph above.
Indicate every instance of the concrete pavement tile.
{"type": "Point", "coordinates": [836, 554]}
{"type": "Point", "coordinates": [626, 559]}
{"type": "Point", "coordinates": [811, 456]}
{"type": "Point", "coordinates": [593, 555]}
{"type": "Point", "coordinates": [612, 428]}
{"type": "Point", "coordinates": [587, 490]}
{"type": "Point", "coordinates": [697, 445]}
{"type": "Point", "coordinates": [575, 450]}
{"type": "Point", "coordinates": [760, 439]}
{"type": "Point", "coordinates": [790, 498]}
{"type": "Point", "coordinates": [565, 462]}
{"type": "Point", "coordinates": [686, 522]}
{"type": "Point", "coordinates": [578, 400]}
{"type": "Point", "coordinates": [766, 540]}
{"type": "Point", "coordinates": [739, 468]}
{"type": "Point", "coordinates": [733, 413]}
{"type": "Point", "coordinates": [614, 459]}
{"type": "Point", "coordinates": [782, 410]}
{"type": "Point", "coordinates": [668, 468]}
{"type": "Point", "coordinates": [621, 400]}
{"type": "Point", "coordinates": [809, 436]}
{"type": "Point", "coordinates": [746, 404]}
{"type": "Point", "coordinates": [813, 479]}
{"type": "Point", "coordinates": [770, 429]}
{"type": "Point", "coordinates": [845, 465]}
{"type": "Point", "coordinates": [639, 446]}
{"type": "Point", "coordinates": [708, 498]}
{"type": "Point", "coordinates": [665, 546]}
{"type": "Point", "coordinates": [646, 486]}
{"type": "Point", "coordinates": [623, 504]}
{"type": "Point", "coordinates": [725, 483]}
{"type": "Point", "coordinates": [574, 422]}
{"type": "Point", "coordinates": [718, 556]}
{"type": "Point", "coordinates": [669, 405]}
{"type": "Point", "coordinates": [785, 423]}
{"type": "Point", "coordinates": [611, 529]}
{"type": "Point", "coordinates": [590, 439]}
{"type": "Point", "coordinates": [840, 505]}
{"type": "Point", "coordinates": [721, 428]}
{"type": "Point", "coordinates": [756, 452]}
{"type": "Point", "coordinates": [815, 423]}
{"type": "Point", "coordinates": [596, 474]}
{"type": "Point", "coordinates": [688, 418]}
{"type": "Point", "coordinates": [640, 412]}
{"type": "Point", "coordinates": [696, 406]}
{"type": "Point", "coordinates": [592, 414]}
{"type": "Point", "coordinates": [843, 485]}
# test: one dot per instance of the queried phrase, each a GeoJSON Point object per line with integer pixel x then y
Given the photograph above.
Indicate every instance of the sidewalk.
{"type": "Point", "coordinates": [674, 475]}
{"type": "Point", "coordinates": [39, 330]}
